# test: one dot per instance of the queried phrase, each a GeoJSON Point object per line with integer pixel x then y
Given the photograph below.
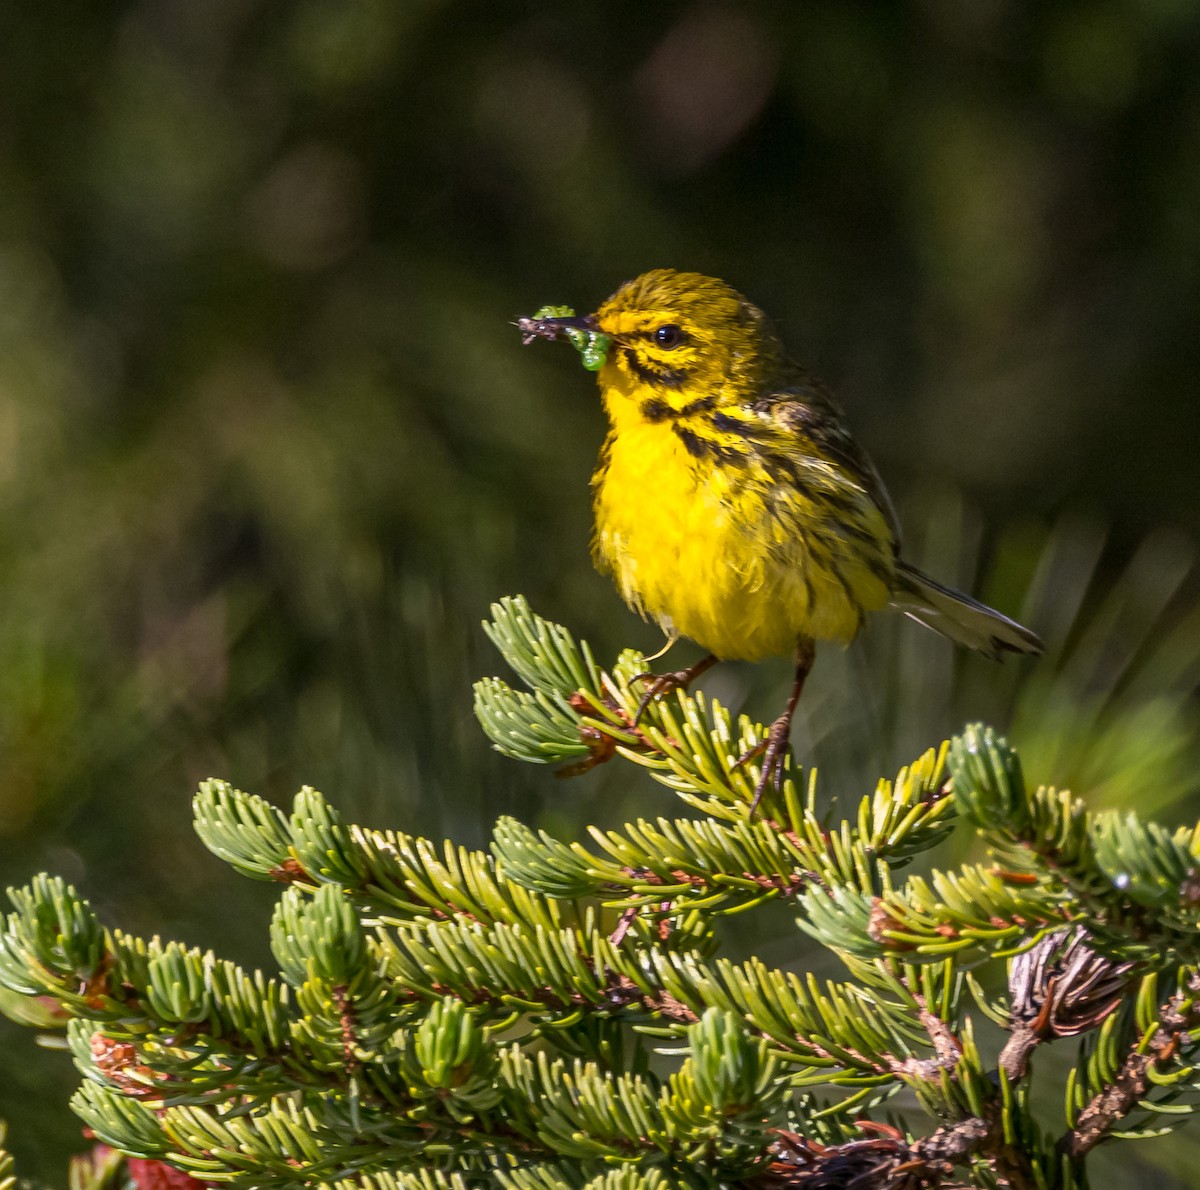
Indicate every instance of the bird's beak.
{"type": "Point", "coordinates": [584, 333]}
{"type": "Point", "coordinates": [551, 328]}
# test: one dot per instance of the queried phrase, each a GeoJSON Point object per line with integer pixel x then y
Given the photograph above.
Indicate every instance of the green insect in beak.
{"type": "Point", "coordinates": [551, 321]}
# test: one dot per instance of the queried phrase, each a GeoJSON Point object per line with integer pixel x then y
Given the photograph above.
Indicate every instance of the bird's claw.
{"type": "Point", "coordinates": [658, 685]}
{"type": "Point", "coordinates": [674, 679]}
{"type": "Point", "coordinates": [774, 752]}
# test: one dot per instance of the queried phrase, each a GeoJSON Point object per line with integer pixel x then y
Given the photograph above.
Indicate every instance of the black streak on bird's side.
{"type": "Point", "coordinates": [605, 457]}
{"type": "Point", "coordinates": [751, 429]}
{"type": "Point", "coordinates": [700, 405]}
{"type": "Point", "coordinates": [696, 446]}
{"type": "Point", "coordinates": [700, 447]}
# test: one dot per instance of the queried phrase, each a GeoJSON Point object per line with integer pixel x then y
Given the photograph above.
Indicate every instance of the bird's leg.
{"type": "Point", "coordinates": [677, 679]}
{"type": "Point", "coordinates": [774, 748]}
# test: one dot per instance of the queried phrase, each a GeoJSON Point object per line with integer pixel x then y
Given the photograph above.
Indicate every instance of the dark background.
{"type": "Point", "coordinates": [269, 444]}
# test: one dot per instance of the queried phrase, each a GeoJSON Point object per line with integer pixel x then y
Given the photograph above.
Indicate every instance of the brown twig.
{"type": "Point", "coordinates": [885, 1160]}
{"type": "Point", "coordinates": [1130, 1084]}
{"type": "Point", "coordinates": [345, 1009]}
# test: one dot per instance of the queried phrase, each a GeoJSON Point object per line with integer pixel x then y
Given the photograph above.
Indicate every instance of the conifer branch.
{"type": "Point", "coordinates": [449, 1017]}
{"type": "Point", "coordinates": [8, 1178]}
{"type": "Point", "coordinates": [1168, 1043]}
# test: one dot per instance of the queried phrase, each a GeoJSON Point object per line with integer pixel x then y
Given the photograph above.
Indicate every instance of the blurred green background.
{"type": "Point", "coordinates": [269, 444]}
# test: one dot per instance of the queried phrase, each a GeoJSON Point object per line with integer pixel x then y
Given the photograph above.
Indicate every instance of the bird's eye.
{"type": "Point", "coordinates": [668, 336]}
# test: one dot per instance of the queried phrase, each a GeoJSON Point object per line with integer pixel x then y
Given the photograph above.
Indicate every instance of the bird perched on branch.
{"type": "Point", "coordinates": [733, 506]}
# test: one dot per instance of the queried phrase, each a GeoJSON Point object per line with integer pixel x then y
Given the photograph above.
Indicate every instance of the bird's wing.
{"type": "Point", "coordinates": [805, 406]}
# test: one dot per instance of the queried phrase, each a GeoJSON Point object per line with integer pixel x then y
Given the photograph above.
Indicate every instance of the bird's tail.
{"type": "Point", "coordinates": [958, 616]}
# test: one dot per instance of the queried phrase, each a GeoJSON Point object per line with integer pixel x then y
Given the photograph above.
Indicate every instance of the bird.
{"type": "Point", "coordinates": [732, 504]}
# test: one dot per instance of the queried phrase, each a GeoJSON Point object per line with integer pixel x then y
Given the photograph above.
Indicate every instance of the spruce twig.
{"type": "Point", "coordinates": [1177, 1018]}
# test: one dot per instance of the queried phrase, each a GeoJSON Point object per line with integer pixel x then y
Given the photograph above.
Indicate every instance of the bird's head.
{"type": "Point", "coordinates": [676, 338]}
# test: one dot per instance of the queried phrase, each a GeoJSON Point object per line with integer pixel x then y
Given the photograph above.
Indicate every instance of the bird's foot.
{"type": "Point", "coordinates": [773, 749]}
{"type": "Point", "coordinates": [602, 747]}
{"type": "Point", "coordinates": [658, 685]}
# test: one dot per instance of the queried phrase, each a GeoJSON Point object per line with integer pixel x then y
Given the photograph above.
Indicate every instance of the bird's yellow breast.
{"type": "Point", "coordinates": [714, 548]}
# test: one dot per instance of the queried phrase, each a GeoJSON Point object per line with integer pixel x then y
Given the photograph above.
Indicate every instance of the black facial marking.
{"type": "Point", "coordinates": [656, 409]}
{"type": "Point", "coordinates": [636, 366]}
{"type": "Point", "coordinates": [672, 378]}
{"type": "Point", "coordinates": [664, 378]}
